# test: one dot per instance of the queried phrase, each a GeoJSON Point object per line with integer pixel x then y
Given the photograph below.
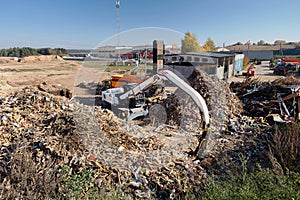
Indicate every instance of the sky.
{"type": "Point", "coordinates": [85, 24]}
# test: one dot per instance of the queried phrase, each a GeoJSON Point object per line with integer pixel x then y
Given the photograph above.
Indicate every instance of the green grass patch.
{"type": "Point", "coordinates": [113, 68]}
{"type": "Point", "coordinates": [260, 184]}
{"type": "Point", "coordinates": [81, 185]}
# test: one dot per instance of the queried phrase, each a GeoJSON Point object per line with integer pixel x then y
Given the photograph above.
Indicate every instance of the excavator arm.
{"type": "Point", "coordinates": [169, 75]}
{"type": "Point", "coordinates": [141, 87]}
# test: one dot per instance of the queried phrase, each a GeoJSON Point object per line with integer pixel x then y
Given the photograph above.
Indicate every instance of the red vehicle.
{"type": "Point", "coordinates": [148, 53]}
{"type": "Point", "coordinates": [134, 55]}
{"type": "Point", "coordinates": [291, 60]}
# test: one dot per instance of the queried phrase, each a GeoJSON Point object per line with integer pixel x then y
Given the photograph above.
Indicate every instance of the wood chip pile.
{"type": "Point", "coordinates": [51, 129]}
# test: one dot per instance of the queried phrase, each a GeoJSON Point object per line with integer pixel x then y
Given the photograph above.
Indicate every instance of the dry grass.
{"type": "Point", "coordinates": [285, 148]}
{"type": "Point", "coordinates": [22, 178]}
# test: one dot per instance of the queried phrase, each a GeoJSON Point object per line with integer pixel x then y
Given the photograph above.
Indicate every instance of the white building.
{"type": "Point", "coordinates": [220, 64]}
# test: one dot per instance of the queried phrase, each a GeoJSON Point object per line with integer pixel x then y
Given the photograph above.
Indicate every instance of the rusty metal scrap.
{"type": "Point", "coordinates": [261, 99]}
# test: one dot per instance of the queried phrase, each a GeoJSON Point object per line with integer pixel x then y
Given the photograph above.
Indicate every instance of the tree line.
{"type": "Point", "coordinates": [27, 51]}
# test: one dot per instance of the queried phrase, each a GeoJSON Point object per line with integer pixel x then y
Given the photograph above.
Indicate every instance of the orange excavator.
{"type": "Point", "coordinates": [120, 80]}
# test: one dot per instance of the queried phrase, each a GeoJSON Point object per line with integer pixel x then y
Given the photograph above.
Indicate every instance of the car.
{"type": "Point", "coordinates": [291, 66]}
{"type": "Point", "coordinates": [283, 68]}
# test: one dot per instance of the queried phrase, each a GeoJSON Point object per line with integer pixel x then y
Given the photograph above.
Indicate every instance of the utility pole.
{"type": "Point", "coordinates": [146, 52]}
{"type": "Point", "coordinates": [281, 50]}
{"type": "Point", "coordinates": [248, 48]}
{"type": "Point", "coordinates": [118, 25]}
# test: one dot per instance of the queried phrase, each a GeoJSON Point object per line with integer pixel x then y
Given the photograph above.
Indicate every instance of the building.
{"type": "Point", "coordinates": [223, 65]}
{"type": "Point", "coordinates": [259, 54]}
{"type": "Point", "coordinates": [238, 61]}
{"type": "Point", "coordinates": [222, 49]}
{"type": "Point", "coordinates": [113, 51]}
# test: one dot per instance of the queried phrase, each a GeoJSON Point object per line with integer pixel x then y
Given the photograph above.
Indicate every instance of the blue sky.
{"type": "Point", "coordinates": [86, 23]}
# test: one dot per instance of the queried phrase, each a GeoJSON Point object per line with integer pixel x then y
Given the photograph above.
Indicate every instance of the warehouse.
{"type": "Point", "coordinates": [223, 65]}
{"type": "Point", "coordinates": [259, 55]}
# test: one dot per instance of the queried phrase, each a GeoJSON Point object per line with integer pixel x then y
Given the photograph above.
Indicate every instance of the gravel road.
{"type": "Point", "coordinates": [262, 71]}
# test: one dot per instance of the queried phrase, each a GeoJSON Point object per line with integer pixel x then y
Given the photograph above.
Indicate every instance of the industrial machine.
{"type": "Point", "coordinates": [131, 97]}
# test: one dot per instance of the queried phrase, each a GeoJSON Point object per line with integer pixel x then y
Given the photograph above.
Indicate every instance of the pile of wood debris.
{"type": "Point", "coordinates": [144, 161]}
{"type": "Point", "coordinates": [54, 129]}
{"type": "Point", "coordinates": [264, 99]}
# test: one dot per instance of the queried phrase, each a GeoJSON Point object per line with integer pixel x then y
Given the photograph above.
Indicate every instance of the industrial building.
{"type": "Point", "coordinates": [259, 55]}
{"type": "Point", "coordinates": [113, 51]}
{"type": "Point", "coordinates": [223, 65]}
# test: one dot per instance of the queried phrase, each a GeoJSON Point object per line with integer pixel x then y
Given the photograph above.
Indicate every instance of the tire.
{"type": "Point", "coordinates": [157, 114]}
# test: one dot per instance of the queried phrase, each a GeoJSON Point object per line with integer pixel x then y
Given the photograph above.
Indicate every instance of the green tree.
{"type": "Point", "coordinates": [16, 51]}
{"type": "Point", "coordinates": [209, 45]}
{"type": "Point", "coordinates": [32, 51]}
{"type": "Point", "coordinates": [44, 51]}
{"type": "Point", "coordinates": [3, 52]}
{"type": "Point", "coordinates": [58, 51]}
{"type": "Point", "coordinates": [190, 43]}
{"type": "Point", "coordinates": [27, 51]}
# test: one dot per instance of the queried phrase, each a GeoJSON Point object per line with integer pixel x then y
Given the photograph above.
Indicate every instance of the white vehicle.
{"type": "Point", "coordinates": [109, 95]}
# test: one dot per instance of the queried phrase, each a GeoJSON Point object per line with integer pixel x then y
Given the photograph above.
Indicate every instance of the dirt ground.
{"type": "Point", "coordinates": [51, 70]}
{"type": "Point", "coordinates": [262, 71]}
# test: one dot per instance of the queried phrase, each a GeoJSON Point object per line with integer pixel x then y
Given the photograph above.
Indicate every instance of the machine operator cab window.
{"type": "Point", "coordinates": [129, 86]}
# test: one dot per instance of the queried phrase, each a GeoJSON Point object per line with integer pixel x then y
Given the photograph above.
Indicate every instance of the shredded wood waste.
{"type": "Point", "coordinates": [144, 161]}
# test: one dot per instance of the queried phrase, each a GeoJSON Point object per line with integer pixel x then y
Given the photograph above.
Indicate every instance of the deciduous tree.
{"type": "Point", "coordinates": [209, 45]}
{"type": "Point", "coordinates": [190, 43]}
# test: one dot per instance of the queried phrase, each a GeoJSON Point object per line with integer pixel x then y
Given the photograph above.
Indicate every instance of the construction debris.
{"type": "Point", "coordinates": [269, 99]}
{"type": "Point", "coordinates": [144, 161]}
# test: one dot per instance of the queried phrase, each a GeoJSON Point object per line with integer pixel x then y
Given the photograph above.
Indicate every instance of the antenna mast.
{"type": "Point", "coordinates": [118, 21]}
